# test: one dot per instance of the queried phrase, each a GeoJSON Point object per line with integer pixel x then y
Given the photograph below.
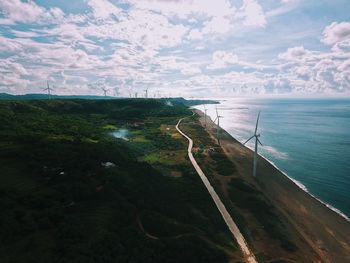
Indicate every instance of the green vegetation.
{"type": "Point", "coordinates": [208, 151]}
{"type": "Point", "coordinates": [60, 202]}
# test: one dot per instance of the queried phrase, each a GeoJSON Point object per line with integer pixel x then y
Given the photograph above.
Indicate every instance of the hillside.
{"type": "Point", "coordinates": [70, 191]}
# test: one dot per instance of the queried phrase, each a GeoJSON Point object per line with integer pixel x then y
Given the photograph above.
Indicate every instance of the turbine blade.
{"type": "Point", "coordinates": [257, 121]}
{"type": "Point", "coordinates": [248, 140]}
{"type": "Point", "coordinates": [217, 114]}
{"type": "Point", "coordinates": [215, 119]}
{"type": "Point", "coordinates": [260, 142]}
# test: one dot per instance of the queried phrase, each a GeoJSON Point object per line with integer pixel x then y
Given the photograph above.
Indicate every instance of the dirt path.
{"type": "Point", "coordinates": [249, 256]}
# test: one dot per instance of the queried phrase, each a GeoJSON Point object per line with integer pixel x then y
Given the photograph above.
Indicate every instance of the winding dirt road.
{"type": "Point", "coordinates": [249, 256]}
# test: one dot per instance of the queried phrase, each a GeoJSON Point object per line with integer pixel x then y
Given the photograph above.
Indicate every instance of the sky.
{"type": "Point", "coordinates": [190, 48]}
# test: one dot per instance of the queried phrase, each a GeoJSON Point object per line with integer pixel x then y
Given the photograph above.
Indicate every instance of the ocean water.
{"type": "Point", "coordinates": [308, 139]}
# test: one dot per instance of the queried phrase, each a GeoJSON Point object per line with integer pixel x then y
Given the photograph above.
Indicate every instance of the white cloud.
{"type": "Point", "coordinates": [336, 32]}
{"type": "Point", "coordinates": [186, 8]}
{"type": "Point", "coordinates": [195, 34]}
{"type": "Point", "coordinates": [28, 12]}
{"type": "Point", "coordinates": [24, 34]}
{"type": "Point", "coordinates": [217, 25]}
{"type": "Point", "coordinates": [323, 72]}
{"type": "Point", "coordinates": [252, 14]}
{"type": "Point", "coordinates": [168, 64]}
{"type": "Point", "coordinates": [277, 85]}
{"type": "Point", "coordinates": [295, 53]}
{"type": "Point", "coordinates": [222, 59]}
{"type": "Point", "coordinates": [103, 9]}
{"type": "Point", "coordinates": [163, 44]}
{"type": "Point", "coordinates": [141, 28]}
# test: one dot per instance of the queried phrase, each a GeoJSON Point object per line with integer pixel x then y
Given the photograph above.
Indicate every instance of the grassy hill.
{"type": "Point", "coordinates": [72, 192]}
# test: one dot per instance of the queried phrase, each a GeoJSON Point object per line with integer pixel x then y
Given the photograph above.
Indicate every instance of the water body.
{"type": "Point", "coordinates": [309, 139]}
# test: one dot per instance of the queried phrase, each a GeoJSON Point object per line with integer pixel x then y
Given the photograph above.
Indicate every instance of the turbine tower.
{"type": "Point", "coordinates": [116, 92]}
{"type": "Point", "coordinates": [104, 91]}
{"type": "Point", "coordinates": [256, 135]}
{"type": "Point", "coordinates": [48, 89]}
{"type": "Point", "coordinates": [218, 129]}
{"type": "Point", "coordinates": [146, 93]}
{"type": "Point", "coordinates": [205, 116]}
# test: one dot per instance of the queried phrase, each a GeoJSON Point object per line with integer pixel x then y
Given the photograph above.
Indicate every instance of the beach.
{"type": "Point", "coordinates": [323, 233]}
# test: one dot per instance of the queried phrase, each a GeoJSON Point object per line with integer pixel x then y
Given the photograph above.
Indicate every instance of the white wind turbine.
{"type": "Point", "coordinates": [256, 135]}
{"type": "Point", "coordinates": [48, 89]}
{"type": "Point", "coordinates": [205, 116]}
{"type": "Point", "coordinates": [218, 129]}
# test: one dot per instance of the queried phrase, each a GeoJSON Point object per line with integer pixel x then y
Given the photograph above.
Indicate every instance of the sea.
{"type": "Point", "coordinates": [307, 139]}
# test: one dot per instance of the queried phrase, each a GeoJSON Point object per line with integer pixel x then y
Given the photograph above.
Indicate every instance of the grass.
{"type": "Point", "coordinates": [110, 127]}
{"type": "Point", "coordinates": [168, 158]}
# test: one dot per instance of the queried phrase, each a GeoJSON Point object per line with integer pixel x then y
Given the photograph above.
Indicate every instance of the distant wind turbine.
{"type": "Point", "coordinates": [218, 129]}
{"type": "Point", "coordinates": [48, 89]}
{"type": "Point", "coordinates": [146, 93]}
{"type": "Point", "coordinates": [116, 92]}
{"type": "Point", "coordinates": [104, 91]}
{"type": "Point", "coordinates": [205, 116]}
{"type": "Point", "coordinates": [256, 135]}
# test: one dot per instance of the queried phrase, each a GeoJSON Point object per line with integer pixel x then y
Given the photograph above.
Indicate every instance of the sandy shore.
{"type": "Point", "coordinates": [325, 232]}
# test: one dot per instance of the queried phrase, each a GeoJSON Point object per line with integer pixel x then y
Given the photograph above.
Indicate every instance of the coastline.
{"type": "Point", "coordinates": [296, 182]}
{"type": "Point", "coordinates": [322, 228]}
{"type": "Point", "coordinates": [304, 188]}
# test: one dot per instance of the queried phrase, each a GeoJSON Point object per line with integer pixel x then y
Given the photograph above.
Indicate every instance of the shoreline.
{"type": "Point", "coordinates": [323, 229]}
{"type": "Point", "coordinates": [304, 188]}
{"type": "Point", "coordinates": [299, 184]}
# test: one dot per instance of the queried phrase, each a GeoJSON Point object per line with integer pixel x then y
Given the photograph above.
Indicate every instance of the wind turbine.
{"type": "Point", "coordinates": [256, 135]}
{"type": "Point", "coordinates": [104, 91]}
{"type": "Point", "coordinates": [218, 129]}
{"type": "Point", "coordinates": [48, 90]}
{"type": "Point", "coordinates": [205, 115]}
{"type": "Point", "coordinates": [146, 93]}
{"type": "Point", "coordinates": [116, 92]}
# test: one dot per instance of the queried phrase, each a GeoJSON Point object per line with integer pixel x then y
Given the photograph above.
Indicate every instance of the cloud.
{"type": "Point", "coordinates": [195, 34]}
{"type": "Point", "coordinates": [336, 32]}
{"type": "Point", "coordinates": [317, 72]}
{"type": "Point", "coordinates": [294, 53]}
{"type": "Point", "coordinates": [28, 12]}
{"type": "Point", "coordinates": [142, 28]}
{"type": "Point", "coordinates": [171, 63]}
{"type": "Point", "coordinates": [278, 85]}
{"type": "Point", "coordinates": [161, 44]}
{"type": "Point", "coordinates": [252, 14]}
{"type": "Point", "coordinates": [217, 25]}
{"type": "Point", "coordinates": [221, 59]}
{"type": "Point", "coordinates": [11, 74]}
{"type": "Point", "coordinates": [103, 9]}
{"type": "Point", "coordinates": [186, 8]}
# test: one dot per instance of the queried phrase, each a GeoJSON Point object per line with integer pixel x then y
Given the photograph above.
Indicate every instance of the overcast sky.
{"type": "Point", "coordinates": [197, 48]}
